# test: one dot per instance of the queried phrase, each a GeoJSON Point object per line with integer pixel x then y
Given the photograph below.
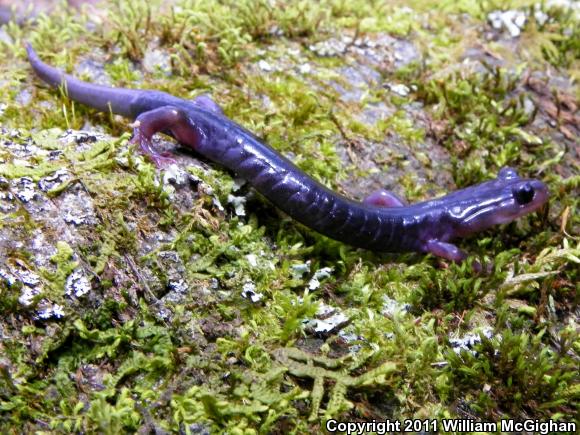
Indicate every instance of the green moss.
{"type": "Point", "coordinates": [520, 373]}
{"type": "Point", "coordinates": [400, 124]}
{"type": "Point", "coordinates": [64, 266]}
{"type": "Point", "coordinates": [304, 365]}
{"type": "Point", "coordinates": [482, 129]}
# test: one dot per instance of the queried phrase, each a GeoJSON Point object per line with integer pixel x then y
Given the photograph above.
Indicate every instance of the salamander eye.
{"type": "Point", "coordinates": [524, 194]}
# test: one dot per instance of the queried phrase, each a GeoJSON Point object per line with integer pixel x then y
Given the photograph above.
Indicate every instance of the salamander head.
{"type": "Point", "coordinates": [494, 202]}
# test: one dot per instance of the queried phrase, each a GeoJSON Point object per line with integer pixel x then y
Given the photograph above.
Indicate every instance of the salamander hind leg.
{"type": "Point", "coordinates": [384, 198]}
{"type": "Point", "coordinates": [163, 119]}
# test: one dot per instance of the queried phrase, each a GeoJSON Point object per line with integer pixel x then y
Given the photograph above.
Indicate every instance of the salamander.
{"type": "Point", "coordinates": [381, 222]}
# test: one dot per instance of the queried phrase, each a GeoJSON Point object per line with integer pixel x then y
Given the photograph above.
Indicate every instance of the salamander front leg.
{"type": "Point", "coordinates": [384, 198]}
{"type": "Point", "coordinates": [445, 250]}
{"type": "Point", "coordinates": [162, 119]}
{"type": "Point", "coordinates": [450, 252]}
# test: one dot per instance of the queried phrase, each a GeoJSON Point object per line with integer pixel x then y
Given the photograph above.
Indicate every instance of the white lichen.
{"type": "Point", "coordinates": [513, 21]}
{"type": "Point", "coordinates": [249, 292]}
{"type": "Point", "coordinates": [24, 189]}
{"type": "Point", "coordinates": [47, 310]}
{"type": "Point", "coordinates": [320, 274]}
{"type": "Point", "coordinates": [252, 259]}
{"type": "Point", "coordinates": [55, 180]}
{"type": "Point", "coordinates": [392, 307]}
{"type": "Point", "coordinates": [327, 319]}
{"type": "Point", "coordinates": [78, 209]}
{"type": "Point", "coordinates": [175, 175]}
{"type": "Point", "coordinates": [77, 284]}
{"type": "Point", "coordinates": [299, 270]}
{"type": "Point", "coordinates": [468, 341]}
{"type": "Point", "coordinates": [239, 203]}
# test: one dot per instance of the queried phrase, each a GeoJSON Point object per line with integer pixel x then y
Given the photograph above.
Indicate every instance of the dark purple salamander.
{"type": "Point", "coordinates": [382, 222]}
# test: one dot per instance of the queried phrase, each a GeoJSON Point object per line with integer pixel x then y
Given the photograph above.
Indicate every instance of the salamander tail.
{"type": "Point", "coordinates": [102, 98]}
